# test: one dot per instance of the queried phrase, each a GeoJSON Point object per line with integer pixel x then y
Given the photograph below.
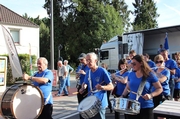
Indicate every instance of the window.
{"type": "Point", "coordinates": [104, 55]}
{"type": "Point", "coordinates": [15, 35]}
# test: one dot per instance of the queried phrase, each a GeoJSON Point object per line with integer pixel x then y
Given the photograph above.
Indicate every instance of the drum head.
{"type": "Point", "coordinates": [27, 102]}
{"type": "Point", "coordinates": [87, 103]}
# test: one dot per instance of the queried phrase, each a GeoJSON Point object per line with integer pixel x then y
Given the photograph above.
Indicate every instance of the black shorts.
{"type": "Point", "coordinates": [176, 93]}
{"type": "Point", "coordinates": [159, 99]}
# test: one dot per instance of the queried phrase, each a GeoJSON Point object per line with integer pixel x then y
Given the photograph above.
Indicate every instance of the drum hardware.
{"type": "Point", "coordinates": [89, 107]}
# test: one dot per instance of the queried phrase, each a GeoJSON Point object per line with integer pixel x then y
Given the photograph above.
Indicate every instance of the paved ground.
{"type": "Point", "coordinates": [65, 107]}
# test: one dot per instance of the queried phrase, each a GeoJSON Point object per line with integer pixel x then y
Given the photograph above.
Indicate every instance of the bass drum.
{"type": "Point", "coordinates": [22, 101]}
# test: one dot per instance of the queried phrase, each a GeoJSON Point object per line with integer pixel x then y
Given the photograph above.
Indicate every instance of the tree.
{"type": "Point", "coordinates": [82, 25]}
{"type": "Point", "coordinates": [122, 8]}
{"type": "Point", "coordinates": [145, 15]}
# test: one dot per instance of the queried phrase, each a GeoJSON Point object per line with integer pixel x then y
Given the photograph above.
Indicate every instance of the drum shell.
{"type": "Point", "coordinates": [93, 110]}
{"type": "Point", "coordinates": [7, 100]}
{"type": "Point", "coordinates": [126, 106]}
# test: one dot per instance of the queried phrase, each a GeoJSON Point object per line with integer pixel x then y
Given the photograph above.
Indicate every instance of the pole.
{"type": "Point", "coordinates": [52, 37]}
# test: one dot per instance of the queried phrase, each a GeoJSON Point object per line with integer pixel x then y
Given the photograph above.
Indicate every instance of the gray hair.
{"type": "Point", "coordinates": [66, 61]}
{"type": "Point", "coordinates": [93, 55]}
{"type": "Point", "coordinates": [45, 61]}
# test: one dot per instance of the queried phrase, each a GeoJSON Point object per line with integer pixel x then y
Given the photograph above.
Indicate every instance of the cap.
{"type": "Point", "coordinates": [82, 56]}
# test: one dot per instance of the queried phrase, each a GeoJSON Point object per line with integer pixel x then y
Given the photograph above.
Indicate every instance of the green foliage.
{"type": "Point", "coordinates": [25, 64]}
{"type": "Point", "coordinates": [145, 15]}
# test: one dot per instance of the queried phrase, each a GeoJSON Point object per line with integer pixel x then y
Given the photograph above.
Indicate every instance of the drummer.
{"type": "Point", "coordinates": [163, 75]}
{"type": "Point", "coordinates": [99, 80]}
{"type": "Point", "coordinates": [43, 79]}
{"type": "Point", "coordinates": [141, 70]}
{"type": "Point", "coordinates": [120, 77]}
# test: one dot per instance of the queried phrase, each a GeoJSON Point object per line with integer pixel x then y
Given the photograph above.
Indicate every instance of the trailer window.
{"type": "Point", "coordinates": [104, 55]}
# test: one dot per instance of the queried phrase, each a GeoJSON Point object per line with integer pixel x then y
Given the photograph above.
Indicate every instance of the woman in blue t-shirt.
{"type": "Point", "coordinates": [140, 70]}
{"type": "Point", "coordinates": [120, 77]}
{"type": "Point", "coordinates": [176, 95]}
{"type": "Point", "coordinates": [163, 76]}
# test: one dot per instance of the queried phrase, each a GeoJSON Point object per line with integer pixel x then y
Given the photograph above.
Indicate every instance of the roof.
{"type": "Point", "coordinates": [7, 16]}
{"type": "Point", "coordinates": [157, 30]}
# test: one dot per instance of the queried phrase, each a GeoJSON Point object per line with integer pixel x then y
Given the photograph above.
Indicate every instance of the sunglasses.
{"type": "Point", "coordinates": [134, 64]}
{"type": "Point", "coordinates": [159, 62]}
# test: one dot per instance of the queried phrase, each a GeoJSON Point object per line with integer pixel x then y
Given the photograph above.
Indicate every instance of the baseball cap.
{"type": "Point", "coordinates": [82, 56]}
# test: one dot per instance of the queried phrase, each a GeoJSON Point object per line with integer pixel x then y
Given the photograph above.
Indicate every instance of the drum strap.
{"type": "Point", "coordinates": [89, 79]}
{"type": "Point", "coordinates": [141, 87]}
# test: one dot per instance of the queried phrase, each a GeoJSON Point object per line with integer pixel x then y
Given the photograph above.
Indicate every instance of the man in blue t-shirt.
{"type": "Point", "coordinates": [171, 65]}
{"type": "Point", "coordinates": [43, 79]}
{"type": "Point", "coordinates": [80, 74]}
{"type": "Point", "coordinates": [98, 82]}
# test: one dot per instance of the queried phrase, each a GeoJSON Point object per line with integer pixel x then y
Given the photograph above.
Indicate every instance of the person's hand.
{"type": "Point", "coordinates": [82, 90]}
{"type": "Point", "coordinates": [81, 72]}
{"type": "Point", "coordinates": [99, 87]}
{"type": "Point", "coordinates": [26, 76]}
{"type": "Point", "coordinates": [147, 96]}
{"type": "Point", "coordinates": [113, 75]}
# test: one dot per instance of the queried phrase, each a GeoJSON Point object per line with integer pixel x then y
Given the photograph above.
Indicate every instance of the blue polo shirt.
{"type": "Point", "coordinates": [45, 88]}
{"type": "Point", "coordinates": [121, 86]}
{"type": "Point", "coordinates": [98, 77]}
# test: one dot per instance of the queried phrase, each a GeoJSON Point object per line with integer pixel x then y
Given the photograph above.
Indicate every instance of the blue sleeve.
{"type": "Point", "coordinates": [153, 77]}
{"type": "Point", "coordinates": [166, 73]}
{"type": "Point", "coordinates": [49, 75]}
{"type": "Point", "coordinates": [173, 65]}
{"type": "Point", "coordinates": [86, 77]}
{"type": "Point", "coordinates": [107, 78]}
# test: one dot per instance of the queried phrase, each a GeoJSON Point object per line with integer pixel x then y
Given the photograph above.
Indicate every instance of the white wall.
{"type": "Point", "coordinates": [27, 35]}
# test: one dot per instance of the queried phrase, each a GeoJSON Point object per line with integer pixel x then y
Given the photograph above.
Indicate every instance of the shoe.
{"type": "Point", "coordinates": [65, 95]}
{"type": "Point", "coordinates": [57, 95]}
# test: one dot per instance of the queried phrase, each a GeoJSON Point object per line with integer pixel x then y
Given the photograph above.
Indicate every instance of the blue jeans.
{"type": "Point", "coordinates": [62, 86]}
{"type": "Point", "coordinates": [101, 114]}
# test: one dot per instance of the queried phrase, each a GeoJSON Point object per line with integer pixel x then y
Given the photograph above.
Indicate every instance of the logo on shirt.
{"type": "Point", "coordinates": [97, 79]}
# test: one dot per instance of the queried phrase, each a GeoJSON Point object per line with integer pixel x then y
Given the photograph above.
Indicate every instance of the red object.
{"type": "Point", "coordinates": [55, 77]}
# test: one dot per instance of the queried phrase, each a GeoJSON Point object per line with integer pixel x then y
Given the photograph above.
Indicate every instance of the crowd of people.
{"type": "Point", "coordinates": [150, 82]}
{"type": "Point", "coordinates": [161, 76]}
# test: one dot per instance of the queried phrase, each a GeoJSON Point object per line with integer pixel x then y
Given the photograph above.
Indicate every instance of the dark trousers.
{"type": "Point", "coordinates": [109, 103]}
{"type": "Point", "coordinates": [46, 112]}
{"type": "Point", "coordinates": [80, 97]}
{"type": "Point", "coordinates": [146, 113]}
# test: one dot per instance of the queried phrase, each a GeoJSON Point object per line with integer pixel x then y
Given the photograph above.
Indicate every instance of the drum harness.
{"type": "Point", "coordinates": [90, 85]}
{"type": "Point", "coordinates": [141, 87]}
{"type": "Point", "coordinates": [47, 99]}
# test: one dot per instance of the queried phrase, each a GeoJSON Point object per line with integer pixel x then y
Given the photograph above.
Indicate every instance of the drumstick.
{"type": "Point", "coordinates": [134, 93]}
{"type": "Point", "coordinates": [92, 89]}
{"type": "Point", "coordinates": [75, 93]}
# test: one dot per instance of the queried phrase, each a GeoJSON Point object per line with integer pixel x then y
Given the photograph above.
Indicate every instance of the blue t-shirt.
{"type": "Point", "coordinates": [45, 88]}
{"type": "Point", "coordinates": [151, 64]}
{"type": "Point", "coordinates": [121, 86]}
{"type": "Point", "coordinates": [177, 75]}
{"type": "Point", "coordinates": [85, 68]}
{"type": "Point", "coordinates": [165, 84]}
{"type": "Point", "coordinates": [98, 77]}
{"type": "Point", "coordinates": [171, 64]}
{"type": "Point", "coordinates": [134, 83]}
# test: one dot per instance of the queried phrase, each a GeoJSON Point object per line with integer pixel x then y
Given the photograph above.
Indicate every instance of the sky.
{"type": "Point", "coordinates": [169, 10]}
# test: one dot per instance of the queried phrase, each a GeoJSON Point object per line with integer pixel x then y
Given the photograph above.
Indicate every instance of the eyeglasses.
{"type": "Point", "coordinates": [134, 64]}
{"type": "Point", "coordinates": [159, 62]}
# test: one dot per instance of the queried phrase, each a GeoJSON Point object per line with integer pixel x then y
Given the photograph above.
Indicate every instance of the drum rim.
{"type": "Point", "coordinates": [15, 93]}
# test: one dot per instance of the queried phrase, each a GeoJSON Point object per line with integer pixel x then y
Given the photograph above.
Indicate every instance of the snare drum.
{"type": "Point", "coordinates": [22, 101]}
{"type": "Point", "coordinates": [89, 107]}
{"type": "Point", "coordinates": [126, 106]}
